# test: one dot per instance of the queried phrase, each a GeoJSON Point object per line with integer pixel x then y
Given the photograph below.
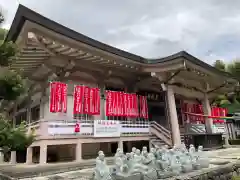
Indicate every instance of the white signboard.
{"type": "Point", "coordinates": [200, 128]}
{"type": "Point", "coordinates": [107, 128]}
{"type": "Point", "coordinates": [58, 128]}
{"type": "Point", "coordinates": [219, 129]}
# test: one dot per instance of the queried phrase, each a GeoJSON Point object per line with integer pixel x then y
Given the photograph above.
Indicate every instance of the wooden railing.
{"type": "Point", "coordinates": [161, 132]}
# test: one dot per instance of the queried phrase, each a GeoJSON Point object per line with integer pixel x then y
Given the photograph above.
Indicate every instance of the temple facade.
{"type": "Point", "coordinates": [52, 52]}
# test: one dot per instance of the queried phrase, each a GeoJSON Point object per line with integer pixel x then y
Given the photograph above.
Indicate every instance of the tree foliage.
{"type": "Point", "coordinates": [14, 138]}
{"type": "Point", "coordinates": [234, 68]}
{"type": "Point", "coordinates": [11, 83]}
{"type": "Point", "coordinates": [228, 98]}
{"type": "Point", "coordinates": [219, 64]}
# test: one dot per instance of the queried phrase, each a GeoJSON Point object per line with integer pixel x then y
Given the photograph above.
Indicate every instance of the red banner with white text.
{"type": "Point", "coordinates": [94, 101]}
{"type": "Point", "coordinates": [122, 104]}
{"type": "Point", "coordinates": [190, 110]}
{"type": "Point", "coordinates": [143, 107]}
{"type": "Point", "coordinates": [58, 97]}
{"type": "Point", "coordinates": [97, 101]}
{"type": "Point", "coordinates": [86, 102]}
{"type": "Point", "coordinates": [52, 103]}
{"type": "Point", "coordinates": [78, 99]}
{"type": "Point", "coordinates": [109, 103]}
{"type": "Point", "coordinates": [64, 98]}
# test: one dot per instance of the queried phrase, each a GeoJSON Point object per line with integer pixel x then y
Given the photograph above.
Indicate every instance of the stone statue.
{"type": "Point", "coordinates": [175, 164]}
{"type": "Point", "coordinates": [119, 161]}
{"type": "Point", "coordinates": [186, 162]}
{"type": "Point", "coordinates": [162, 159]}
{"type": "Point", "coordinates": [202, 158]}
{"type": "Point", "coordinates": [144, 150]}
{"type": "Point", "coordinates": [134, 150]}
{"type": "Point", "coordinates": [194, 158]}
{"type": "Point", "coordinates": [117, 153]}
{"type": "Point", "coordinates": [101, 171]}
{"type": "Point", "coordinates": [192, 149]}
{"type": "Point", "coordinates": [152, 154]}
{"type": "Point", "coordinates": [137, 165]}
{"type": "Point", "coordinates": [159, 163]}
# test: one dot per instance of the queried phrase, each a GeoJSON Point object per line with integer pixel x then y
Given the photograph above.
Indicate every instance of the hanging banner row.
{"type": "Point", "coordinates": [198, 109]}
{"type": "Point", "coordinates": [86, 100]}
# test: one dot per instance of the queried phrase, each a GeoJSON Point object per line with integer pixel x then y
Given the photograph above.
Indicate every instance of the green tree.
{"type": "Point", "coordinates": [233, 98]}
{"type": "Point", "coordinates": [11, 83]}
{"type": "Point", "coordinates": [220, 65]}
{"type": "Point", "coordinates": [234, 68]}
{"type": "Point", "coordinates": [14, 139]}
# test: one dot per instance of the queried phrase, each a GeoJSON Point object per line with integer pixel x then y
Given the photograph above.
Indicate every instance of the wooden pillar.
{"type": "Point", "coordinates": [102, 102]}
{"type": "Point", "coordinates": [207, 111]}
{"type": "Point", "coordinates": [43, 154]}
{"type": "Point", "coordinates": [173, 116]}
{"type": "Point", "coordinates": [29, 155]}
{"type": "Point", "coordinates": [79, 151]}
{"type": "Point", "coordinates": [13, 157]}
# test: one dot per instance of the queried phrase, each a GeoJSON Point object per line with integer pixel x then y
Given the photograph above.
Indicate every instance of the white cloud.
{"type": "Point", "coordinates": [208, 29]}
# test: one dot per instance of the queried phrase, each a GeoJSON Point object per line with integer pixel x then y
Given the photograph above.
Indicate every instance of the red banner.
{"type": "Point", "coordinates": [78, 99]}
{"type": "Point", "coordinates": [125, 105]}
{"type": "Point", "coordinates": [97, 102]}
{"type": "Point", "coordinates": [52, 103]}
{"type": "Point", "coordinates": [190, 110]}
{"type": "Point", "coordinates": [122, 104]}
{"type": "Point", "coordinates": [91, 100]}
{"type": "Point", "coordinates": [58, 97]}
{"type": "Point", "coordinates": [109, 103]}
{"type": "Point", "coordinates": [143, 107]}
{"type": "Point", "coordinates": [86, 104]}
{"type": "Point", "coordinates": [121, 99]}
{"type": "Point", "coordinates": [64, 98]}
{"type": "Point", "coordinates": [135, 105]}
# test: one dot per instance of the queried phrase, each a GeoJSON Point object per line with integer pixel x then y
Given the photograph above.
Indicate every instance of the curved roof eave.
{"type": "Point", "coordinates": [23, 13]}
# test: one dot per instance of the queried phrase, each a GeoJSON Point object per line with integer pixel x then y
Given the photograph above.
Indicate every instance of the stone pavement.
{"type": "Point", "coordinates": [75, 170]}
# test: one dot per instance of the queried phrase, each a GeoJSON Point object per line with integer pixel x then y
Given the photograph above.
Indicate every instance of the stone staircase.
{"type": "Point", "coordinates": [161, 136]}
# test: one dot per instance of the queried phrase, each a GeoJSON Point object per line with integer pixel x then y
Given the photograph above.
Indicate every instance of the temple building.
{"type": "Point", "coordinates": [51, 52]}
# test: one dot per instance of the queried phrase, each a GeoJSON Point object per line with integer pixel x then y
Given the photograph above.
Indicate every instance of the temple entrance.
{"type": "Point", "coordinates": [157, 113]}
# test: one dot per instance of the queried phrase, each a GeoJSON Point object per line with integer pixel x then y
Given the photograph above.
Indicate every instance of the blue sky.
{"type": "Point", "coordinates": [207, 29]}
